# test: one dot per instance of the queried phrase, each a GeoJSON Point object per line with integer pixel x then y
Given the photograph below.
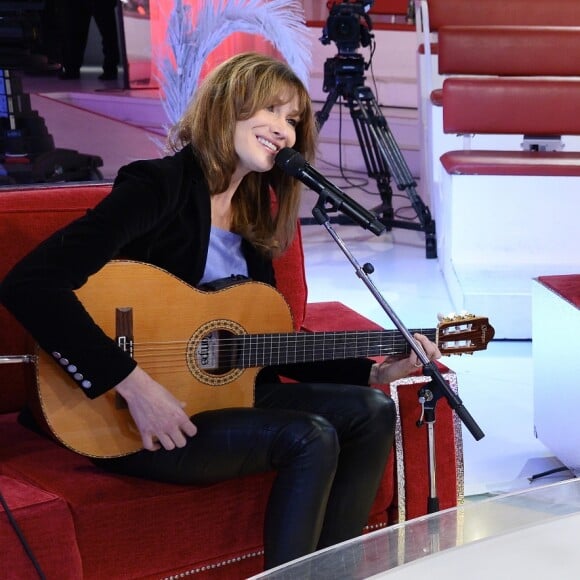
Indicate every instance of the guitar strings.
{"type": "Point", "coordinates": [259, 350]}
{"type": "Point", "coordinates": [373, 337]}
{"type": "Point", "coordinates": [320, 340]}
{"type": "Point", "coordinates": [256, 343]}
{"type": "Point", "coordinates": [266, 341]}
{"type": "Point", "coordinates": [262, 349]}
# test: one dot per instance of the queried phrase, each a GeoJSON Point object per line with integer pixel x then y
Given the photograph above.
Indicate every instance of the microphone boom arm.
{"type": "Point", "coordinates": [439, 386]}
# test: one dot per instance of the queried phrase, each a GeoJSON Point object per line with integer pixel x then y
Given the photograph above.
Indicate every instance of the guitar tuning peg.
{"type": "Point", "coordinates": [446, 317]}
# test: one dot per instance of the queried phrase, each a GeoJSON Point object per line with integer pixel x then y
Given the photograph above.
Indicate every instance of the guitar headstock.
{"type": "Point", "coordinates": [463, 333]}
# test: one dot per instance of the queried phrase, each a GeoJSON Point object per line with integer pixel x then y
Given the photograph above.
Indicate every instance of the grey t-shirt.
{"type": "Point", "coordinates": [225, 257]}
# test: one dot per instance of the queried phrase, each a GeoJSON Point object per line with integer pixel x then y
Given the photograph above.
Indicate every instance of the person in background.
{"type": "Point", "coordinates": [76, 15]}
{"type": "Point", "coordinates": [204, 213]}
{"type": "Point", "coordinates": [49, 41]}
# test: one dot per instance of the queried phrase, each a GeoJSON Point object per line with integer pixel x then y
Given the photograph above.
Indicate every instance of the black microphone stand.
{"type": "Point", "coordinates": [438, 386]}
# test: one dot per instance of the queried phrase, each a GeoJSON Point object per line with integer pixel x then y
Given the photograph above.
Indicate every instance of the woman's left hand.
{"type": "Point", "coordinates": [393, 369]}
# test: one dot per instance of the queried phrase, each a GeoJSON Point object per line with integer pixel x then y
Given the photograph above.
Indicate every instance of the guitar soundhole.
{"type": "Point", "coordinates": [213, 352]}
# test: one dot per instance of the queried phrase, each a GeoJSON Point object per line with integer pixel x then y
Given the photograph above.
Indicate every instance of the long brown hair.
{"type": "Point", "coordinates": [235, 91]}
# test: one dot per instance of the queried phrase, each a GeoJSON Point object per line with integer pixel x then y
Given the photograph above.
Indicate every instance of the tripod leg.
{"type": "Point", "coordinates": [377, 169]}
{"type": "Point", "coordinates": [322, 115]}
{"type": "Point", "coordinates": [367, 115]}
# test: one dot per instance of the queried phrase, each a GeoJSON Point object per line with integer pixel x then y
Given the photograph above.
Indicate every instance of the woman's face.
{"type": "Point", "coordinates": [258, 139]}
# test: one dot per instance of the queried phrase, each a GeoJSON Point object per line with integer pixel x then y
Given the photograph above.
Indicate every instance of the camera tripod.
{"type": "Point", "coordinates": [344, 77]}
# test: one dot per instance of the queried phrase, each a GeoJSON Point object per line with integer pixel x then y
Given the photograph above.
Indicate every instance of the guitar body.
{"type": "Point", "coordinates": [172, 328]}
{"type": "Point", "coordinates": [206, 348]}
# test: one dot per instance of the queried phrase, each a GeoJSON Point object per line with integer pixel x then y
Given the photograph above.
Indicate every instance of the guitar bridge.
{"type": "Point", "coordinates": [124, 329]}
{"type": "Point", "coordinates": [124, 338]}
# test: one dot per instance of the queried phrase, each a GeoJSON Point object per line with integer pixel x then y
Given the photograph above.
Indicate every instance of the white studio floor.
{"type": "Point", "coordinates": [496, 386]}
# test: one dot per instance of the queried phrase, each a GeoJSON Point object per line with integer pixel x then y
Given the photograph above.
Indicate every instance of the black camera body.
{"type": "Point", "coordinates": [344, 70]}
{"type": "Point", "coordinates": [348, 25]}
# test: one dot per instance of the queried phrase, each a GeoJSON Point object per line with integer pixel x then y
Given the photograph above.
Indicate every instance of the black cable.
{"type": "Point", "coordinates": [21, 537]}
{"type": "Point", "coordinates": [550, 472]}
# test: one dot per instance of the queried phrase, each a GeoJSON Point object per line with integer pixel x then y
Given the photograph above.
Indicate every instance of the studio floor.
{"type": "Point", "coordinates": [496, 385]}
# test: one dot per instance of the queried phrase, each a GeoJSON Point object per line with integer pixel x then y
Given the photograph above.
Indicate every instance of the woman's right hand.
{"type": "Point", "coordinates": [159, 416]}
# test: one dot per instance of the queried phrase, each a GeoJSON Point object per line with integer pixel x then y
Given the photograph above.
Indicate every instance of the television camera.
{"type": "Point", "coordinates": [348, 25]}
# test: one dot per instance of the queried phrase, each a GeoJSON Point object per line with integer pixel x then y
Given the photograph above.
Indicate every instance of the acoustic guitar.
{"type": "Point", "coordinates": [204, 347]}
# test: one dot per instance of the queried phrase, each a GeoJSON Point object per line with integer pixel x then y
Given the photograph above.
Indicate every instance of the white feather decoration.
{"type": "Point", "coordinates": [281, 22]}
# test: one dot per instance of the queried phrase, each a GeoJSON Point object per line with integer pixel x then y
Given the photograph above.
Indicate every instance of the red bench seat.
{"type": "Point", "coordinates": [566, 285]}
{"type": "Point", "coordinates": [512, 163]}
{"type": "Point", "coordinates": [509, 50]}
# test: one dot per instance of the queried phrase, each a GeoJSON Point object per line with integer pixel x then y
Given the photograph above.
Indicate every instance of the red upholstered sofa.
{"type": "Point", "coordinates": [80, 522]}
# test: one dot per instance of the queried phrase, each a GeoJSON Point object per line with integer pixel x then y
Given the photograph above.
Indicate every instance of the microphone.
{"type": "Point", "coordinates": [294, 164]}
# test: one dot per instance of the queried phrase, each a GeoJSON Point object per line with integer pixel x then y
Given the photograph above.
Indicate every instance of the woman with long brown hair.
{"type": "Point", "coordinates": [204, 213]}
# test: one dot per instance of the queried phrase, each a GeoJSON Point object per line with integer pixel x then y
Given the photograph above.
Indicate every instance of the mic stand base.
{"type": "Point", "coordinates": [428, 418]}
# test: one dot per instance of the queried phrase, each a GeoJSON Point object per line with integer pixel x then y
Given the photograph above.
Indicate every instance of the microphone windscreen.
{"type": "Point", "coordinates": [290, 161]}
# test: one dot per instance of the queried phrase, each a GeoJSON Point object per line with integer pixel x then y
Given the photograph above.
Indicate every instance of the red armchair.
{"type": "Point", "coordinates": [81, 522]}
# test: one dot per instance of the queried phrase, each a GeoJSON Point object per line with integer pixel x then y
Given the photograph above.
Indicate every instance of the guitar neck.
{"type": "Point", "coordinates": [260, 350]}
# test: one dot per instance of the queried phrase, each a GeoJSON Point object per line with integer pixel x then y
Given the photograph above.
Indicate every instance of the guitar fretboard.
{"type": "Point", "coordinates": [259, 350]}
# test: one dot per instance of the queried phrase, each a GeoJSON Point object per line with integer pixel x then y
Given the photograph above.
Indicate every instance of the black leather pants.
{"type": "Point", "coordinates": [328, 444]}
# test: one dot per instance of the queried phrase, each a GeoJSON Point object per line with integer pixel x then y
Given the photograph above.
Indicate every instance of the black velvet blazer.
{"type": "Point", "coordinates": [157, 212]}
